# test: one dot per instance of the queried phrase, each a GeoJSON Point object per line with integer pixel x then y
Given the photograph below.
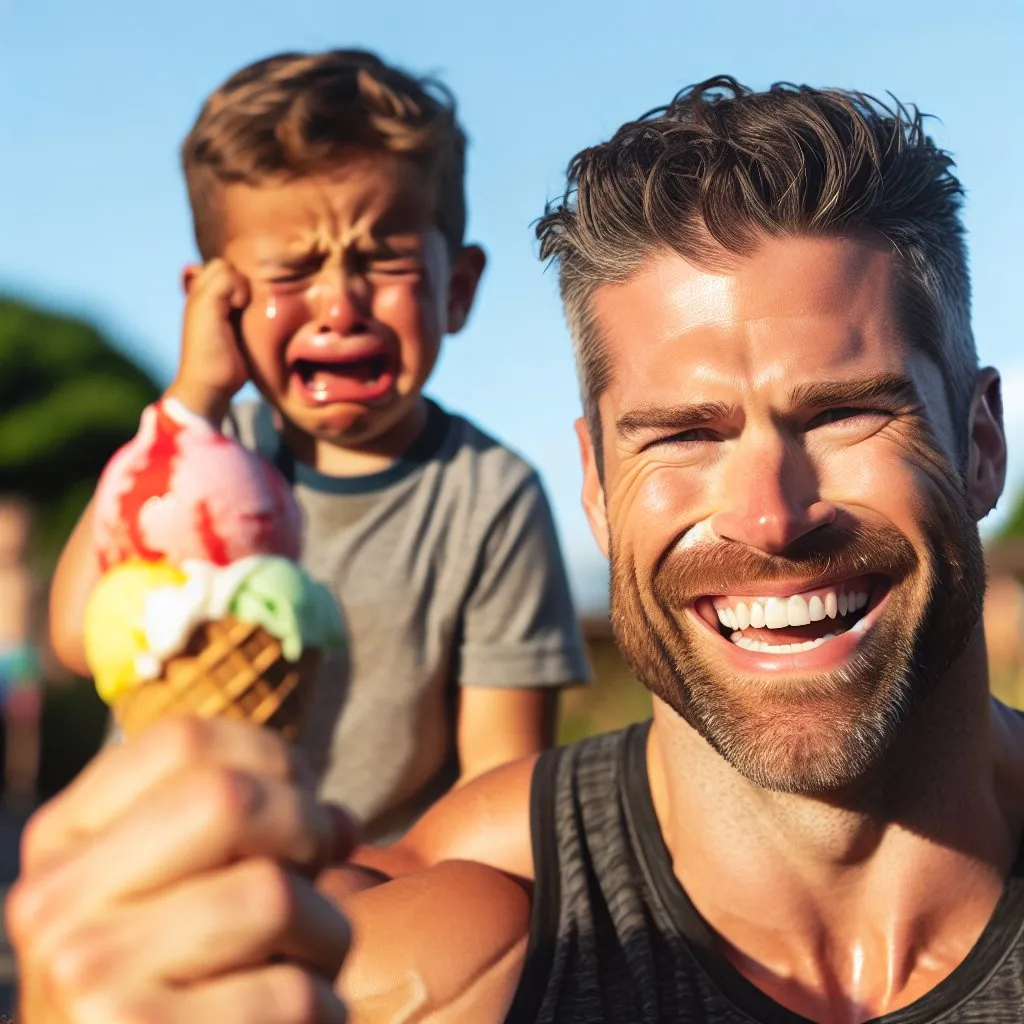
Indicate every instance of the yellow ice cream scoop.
{"type": "Point", "coordinates": [115, 634]}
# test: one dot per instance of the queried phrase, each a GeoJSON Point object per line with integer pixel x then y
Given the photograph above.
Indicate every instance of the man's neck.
{"type": "Point", "coordinates": [848, 908]}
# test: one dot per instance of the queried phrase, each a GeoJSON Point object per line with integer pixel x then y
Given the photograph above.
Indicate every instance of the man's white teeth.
{"type": "Point", "coordinates": [742, 616]}
{"type": "Point", "coordinates": [780, 612]}
{"type": "Point", "coordinates": [759, 645]}
{"type": "Point", "coordinates": [776, 613]}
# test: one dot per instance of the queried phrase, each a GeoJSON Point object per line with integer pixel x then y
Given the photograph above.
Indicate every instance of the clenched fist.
{"type": "Point", "coordinates": [172, 882]}
{"type": "Point", "coordinates": [213, 365]}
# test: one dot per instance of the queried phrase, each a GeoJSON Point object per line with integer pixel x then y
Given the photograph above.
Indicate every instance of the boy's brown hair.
{"type": "Point", "coordinates": [295, 114]}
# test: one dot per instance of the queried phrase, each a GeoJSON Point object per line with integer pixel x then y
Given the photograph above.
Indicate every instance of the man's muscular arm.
{"type": "Point", "coordinates": [447, 945]}
{"type": "Point", "coordinates": [445, 939]}
{"type": "Point", "coordinates": [486, 821]}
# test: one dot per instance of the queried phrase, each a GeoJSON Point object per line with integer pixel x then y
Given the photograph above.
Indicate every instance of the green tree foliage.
{"type": "Point", "coordinates": [1014, 525]}
{"type": "Point", "coordinates": [68, 400]}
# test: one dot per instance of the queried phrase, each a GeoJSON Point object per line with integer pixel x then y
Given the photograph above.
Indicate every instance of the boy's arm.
{"type": "Point", "coordinates": [78, 571]}
{"type": "Point", "coordinates": [211, 371]}
{"type": "Point", "coordinates": [498, 724]}
{"type": "Point", "coordinates": [521, 639]}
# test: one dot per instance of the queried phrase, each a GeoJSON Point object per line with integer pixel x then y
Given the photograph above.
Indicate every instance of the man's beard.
{"type": "Point", "coordinates": [819, 733]}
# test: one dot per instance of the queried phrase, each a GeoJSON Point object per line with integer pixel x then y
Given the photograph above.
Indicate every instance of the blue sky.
{"type": "Point", "coordinates": [94, 99]}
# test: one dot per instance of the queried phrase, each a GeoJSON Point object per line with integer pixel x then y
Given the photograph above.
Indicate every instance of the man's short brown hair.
{"type": "Point", "coordinates": [296, 114]}
{"type": "Point", "coordinates": [722, 167]}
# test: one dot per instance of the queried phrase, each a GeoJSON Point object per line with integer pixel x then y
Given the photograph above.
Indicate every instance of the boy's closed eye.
{"type": "Point", "coordinates": [390, 259]}
{"type": "Point", "coordinates": [293, 271]}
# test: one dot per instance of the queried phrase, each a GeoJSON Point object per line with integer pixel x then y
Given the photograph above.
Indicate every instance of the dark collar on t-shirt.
{"type": "Point", "coordinates": [270, 445]}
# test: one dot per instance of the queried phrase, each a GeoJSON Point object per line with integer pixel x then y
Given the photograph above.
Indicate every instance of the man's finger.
{"type": "Point", "coordinates": [232, 919]}
{"type": "Point", "coordinates": [274, 994]}
{"type": "Point", "coordinates": [122, 775]}
{"type": "Point", "coordinates": [279, 994]}
{"type": "Point", "coordinates": [190, 824]}
{"type": "Point", "coordinates": [243, 916]}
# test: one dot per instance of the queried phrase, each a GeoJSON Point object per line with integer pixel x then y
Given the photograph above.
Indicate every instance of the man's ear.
{"type": "Point", "coordinates": [593, 489]}
{"type": "Point", "coordinates": [986, 464]}
{"type": "Point", "coordinates": [467, 269]}
{"type": "Point", "coordinates": [188, 275]}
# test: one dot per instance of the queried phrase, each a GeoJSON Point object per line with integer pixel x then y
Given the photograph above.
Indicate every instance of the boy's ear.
{"type": "Point", "coordinates": [986, 464]}
{"type": "Point", "coordinates": [467, 269]}
{"type": "Point", "coordinates": [593, 489]}
{"type": "Point", "coordinates": [188, 275]}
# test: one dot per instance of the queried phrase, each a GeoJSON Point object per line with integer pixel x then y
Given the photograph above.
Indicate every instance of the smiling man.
{"type": "Point", "coordinates": [787, 445]}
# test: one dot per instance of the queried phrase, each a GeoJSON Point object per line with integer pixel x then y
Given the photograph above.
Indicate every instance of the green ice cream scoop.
{"type": "Point", "coordinates": [283, 599]}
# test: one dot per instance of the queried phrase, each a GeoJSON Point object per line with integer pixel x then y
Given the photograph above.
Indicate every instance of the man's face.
{"type": "Point", "coordinates": [794, 557]}
{"type": "Point", "coordinates": [352, 288]}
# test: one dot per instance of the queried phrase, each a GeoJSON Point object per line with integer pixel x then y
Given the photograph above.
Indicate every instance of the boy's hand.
{"type": "Point", "coordinates": [171, 882]}
{"type": "Point", "coordinates": [213, 365]}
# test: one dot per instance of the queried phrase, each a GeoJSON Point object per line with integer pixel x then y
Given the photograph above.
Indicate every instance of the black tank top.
{"type": "Point", "coordinates": [614, 939]}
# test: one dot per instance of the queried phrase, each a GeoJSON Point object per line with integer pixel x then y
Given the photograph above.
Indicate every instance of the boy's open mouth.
{"type": "Point", "coordinates": [797, 622]}
{"type": "Point", "coordinates": [343, 378]}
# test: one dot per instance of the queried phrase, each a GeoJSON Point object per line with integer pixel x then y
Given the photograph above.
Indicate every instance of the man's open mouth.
{"type": "Point", "coordinates": [795, 622]}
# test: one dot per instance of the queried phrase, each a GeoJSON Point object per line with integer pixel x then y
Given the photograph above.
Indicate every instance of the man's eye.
{"type": "Point", "coordinates": [694, 436]}
{"type": "Point", "coordinates": [829, 416]}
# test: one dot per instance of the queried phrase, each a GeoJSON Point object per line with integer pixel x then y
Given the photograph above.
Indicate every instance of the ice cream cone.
{"type": "Point", "coordinates": [229, 669]}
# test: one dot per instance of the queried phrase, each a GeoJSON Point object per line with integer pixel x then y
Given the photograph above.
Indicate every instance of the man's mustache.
{"type": "Point", "coordinates": [838, 551]}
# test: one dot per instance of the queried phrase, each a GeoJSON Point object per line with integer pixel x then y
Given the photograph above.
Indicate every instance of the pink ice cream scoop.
{"type": "Point", "coordinates": [180, 490]}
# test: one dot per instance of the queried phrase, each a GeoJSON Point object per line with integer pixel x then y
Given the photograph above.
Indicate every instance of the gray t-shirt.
{"type": "Point", "coordinates": [447, 570]}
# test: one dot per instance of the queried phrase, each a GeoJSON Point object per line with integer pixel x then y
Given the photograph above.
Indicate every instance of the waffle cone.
{"type": "Point", "coordinates": [229, 669]}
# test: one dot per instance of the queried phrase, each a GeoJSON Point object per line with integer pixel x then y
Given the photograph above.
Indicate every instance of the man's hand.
{"type": "Point", "coordinates": [213, 365]}
{"type": "Point", "coordinates": [171, 882]}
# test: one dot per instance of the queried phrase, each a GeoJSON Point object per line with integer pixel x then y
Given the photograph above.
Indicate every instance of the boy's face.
{"type": "Point", "coordinates": [352, 287]}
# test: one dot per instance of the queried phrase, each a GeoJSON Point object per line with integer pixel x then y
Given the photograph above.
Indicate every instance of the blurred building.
{"type": "Point", "coordinates": [1004, 620]}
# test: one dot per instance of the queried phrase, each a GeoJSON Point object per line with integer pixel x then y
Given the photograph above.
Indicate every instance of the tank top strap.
{"type": "Point", "coordinates": [579, 834]}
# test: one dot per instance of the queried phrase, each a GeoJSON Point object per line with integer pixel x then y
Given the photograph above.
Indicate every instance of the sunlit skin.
{"type": "Point", "coordinates": [716, 429]}
{"type": "Point", "coordinates": [349, 272]}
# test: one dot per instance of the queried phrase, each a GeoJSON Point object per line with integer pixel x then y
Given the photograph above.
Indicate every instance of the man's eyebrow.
{"type": "Point", "coordinates": [670, 417]}
{"type": "Point", "coordinates": [891, 387]}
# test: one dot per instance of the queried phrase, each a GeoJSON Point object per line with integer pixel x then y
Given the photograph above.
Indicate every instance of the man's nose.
{"type": "Point", "coordinates": [771, 497]}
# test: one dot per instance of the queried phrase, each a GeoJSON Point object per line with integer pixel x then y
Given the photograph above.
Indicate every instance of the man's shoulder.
{"type": "Point", "coordinates": [450, 830]}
